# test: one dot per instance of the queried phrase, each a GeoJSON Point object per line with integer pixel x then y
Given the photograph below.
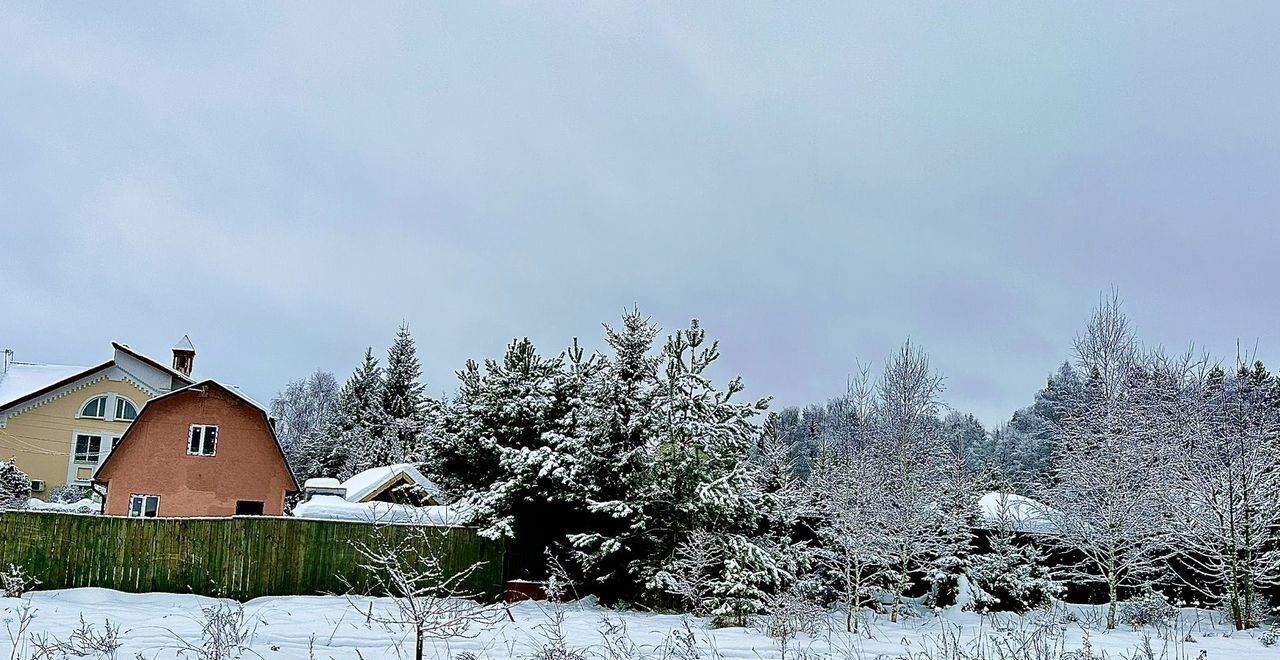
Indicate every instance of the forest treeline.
{"type": "Point", "coordinates": [632, 475]}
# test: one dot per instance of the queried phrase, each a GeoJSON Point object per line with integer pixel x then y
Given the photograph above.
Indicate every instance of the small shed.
{"type": "Point", "coordinates": [402, 483]}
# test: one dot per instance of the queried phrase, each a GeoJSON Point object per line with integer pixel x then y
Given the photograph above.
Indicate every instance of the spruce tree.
{"type": "Point", "coordinates": [614, 451]}
{"type": "Point", "coordinates": [358, 425]}
{"type": "Point", "coordinates": [404, 401]}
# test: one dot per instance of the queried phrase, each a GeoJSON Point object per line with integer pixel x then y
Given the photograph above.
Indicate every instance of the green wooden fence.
{"type": "Point", "coordinates": [239, 558]}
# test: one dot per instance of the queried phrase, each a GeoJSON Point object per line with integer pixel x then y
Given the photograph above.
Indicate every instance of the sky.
{"type": "Point", "coordinates": [816, 183]}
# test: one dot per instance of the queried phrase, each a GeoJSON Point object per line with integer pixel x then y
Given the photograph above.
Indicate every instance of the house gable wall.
{"type": "Point", "coordinates": [40, 435]}
{"type": "Point", "coordinates": [153, 459]}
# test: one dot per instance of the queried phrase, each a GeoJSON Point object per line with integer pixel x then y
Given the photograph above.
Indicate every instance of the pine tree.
{"type": "Point", "coordinates": [783, 491]}
{"type": "Point", "coordinates": [702, 478]}
{"type": "Point", "coordinates": [614, 451]}
{"type": "Point", "coordinates": [503, 445]}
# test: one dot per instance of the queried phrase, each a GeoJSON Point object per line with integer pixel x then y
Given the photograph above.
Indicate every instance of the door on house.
{"type": "Point", "coordinates": [248, 508]}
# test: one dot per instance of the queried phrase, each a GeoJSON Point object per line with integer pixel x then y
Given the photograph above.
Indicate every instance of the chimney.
{"type": "Point", "coordinates": [184, 356]}
{"type": "Point", "coordinates": [8, 357]}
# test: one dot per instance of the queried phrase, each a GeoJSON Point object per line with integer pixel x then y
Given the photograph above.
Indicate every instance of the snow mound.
{"type": "Point", "coordinates": [332, 507]}
{"type": "Point", "coordinates": [83, 506]}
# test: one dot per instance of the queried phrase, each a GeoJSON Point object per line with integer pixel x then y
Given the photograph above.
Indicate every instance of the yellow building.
{"type": "Point", "coordinates": [60, 422]}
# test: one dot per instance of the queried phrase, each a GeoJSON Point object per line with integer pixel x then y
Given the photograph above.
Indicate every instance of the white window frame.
{"type": "Point", "coordinates": [110, 407]}
{"type": "Point", "coordinates": [142, 510]}
{"type": "Point", "coordinates": [107, 443]}
{"type": "Point", "coordinates": [116, 410]}
{"type": "Point", "coordinates": [204, 440]}
{"type": "Point", "coordinates": [75, 449]}
{"type": "Point", "coordinates": [106, 405]}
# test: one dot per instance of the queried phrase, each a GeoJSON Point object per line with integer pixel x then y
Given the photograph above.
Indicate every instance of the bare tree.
{"type": "Point", "coordinates": [1109, 347]}
{"type": "Point", "coordinates": [923, 528]}
{"type": "Point", "coordinates": [849, 503]}
{"type": "Point", "coordinates": [1107, 499]}
{"type": "Point", "coordinates": [302, 411]}
{"type": "Point", "coordinates": [430, 599]}
{"type": "Point", "coordinates": [1226, 498]}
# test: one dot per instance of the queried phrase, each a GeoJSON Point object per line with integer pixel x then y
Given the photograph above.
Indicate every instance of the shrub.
{"type": "Point", "coordinates": [1271, 636]}
{"type": "Point", "coordinates": [1012, 577]}
{"type": "Point", "coordinates": [15, 581]}
{"type": "Point", "coordinates": [15, 486]}
{"type": "Point", "coordinates": [68, 494]}
{"type": "Point", "coordinates": [1149, 609]}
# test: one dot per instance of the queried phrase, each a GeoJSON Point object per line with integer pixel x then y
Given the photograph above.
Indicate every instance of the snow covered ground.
{"type": "Point", "coordinates": [162, 625]}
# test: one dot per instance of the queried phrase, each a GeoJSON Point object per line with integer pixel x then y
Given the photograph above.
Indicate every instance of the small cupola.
{"type": "Point", "coordinates": [184, 356]}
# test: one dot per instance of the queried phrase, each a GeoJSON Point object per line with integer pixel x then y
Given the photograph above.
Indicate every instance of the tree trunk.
{"type": "Point", "coordinates": [1111, 610]}
{"type": "Point", "coordinates": [417, 654]}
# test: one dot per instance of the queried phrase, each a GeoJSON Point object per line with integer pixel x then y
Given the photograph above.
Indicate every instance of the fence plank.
{"type": "Point", "coordinates": [242, 558]}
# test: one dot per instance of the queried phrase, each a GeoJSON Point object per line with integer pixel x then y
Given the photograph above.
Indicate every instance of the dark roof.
{"type": "Point", "coordinates": [266, 418]}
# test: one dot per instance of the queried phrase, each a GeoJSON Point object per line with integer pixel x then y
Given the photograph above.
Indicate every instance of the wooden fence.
{"type": "Point", "coordinates": [239, 558]}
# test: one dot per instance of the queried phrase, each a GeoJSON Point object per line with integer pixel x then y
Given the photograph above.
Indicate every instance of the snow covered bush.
{"type": "Point", "coordinates": [790, 613]}
{"type": "Point", "coordinates": [15, 486]}
{"type": "Point", "coordinates": [725, 576]}
{"type": "Point", "coordinates": [1271, 636]}
{"type": "Point", "coordinates": [15, 581]}
{"type": "Point", "coordinates": [68, 494]}
{"type": "Point", "coordinates": [1150, 608]}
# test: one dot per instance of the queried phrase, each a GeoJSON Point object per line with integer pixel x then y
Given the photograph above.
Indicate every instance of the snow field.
{"type": "Point", "coordinates": [160, 626]}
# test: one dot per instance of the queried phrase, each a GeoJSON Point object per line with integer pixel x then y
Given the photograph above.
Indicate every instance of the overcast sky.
{"type": "Point", "coordinates": [288, 182]}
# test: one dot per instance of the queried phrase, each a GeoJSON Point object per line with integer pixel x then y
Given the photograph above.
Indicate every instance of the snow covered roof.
{"type": "Point", "coordinates": [1021, 514]}
{"type": "Point", "coordinates": [23, 382]}
{"type": "Point", "coordinates": [24, 378]}
{"type": "Point", "coordinates": [332, 507]}
{"type": "Point", "coordinates": [248, 399]}
{"type": "Point", "coordinates": [369, 483]}
{"type": "Point", "coordinates": [124, 348]}
{"type": "Point", "coordinates": [184, 344]}
{"type": "Point", "coordinates": [231, 389]}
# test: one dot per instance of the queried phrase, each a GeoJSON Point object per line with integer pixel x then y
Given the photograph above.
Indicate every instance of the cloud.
{"type": "Point", "coordinates": [815, 183]}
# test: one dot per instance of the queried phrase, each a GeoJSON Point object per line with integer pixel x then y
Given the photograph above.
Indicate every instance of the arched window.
{"type": "Point", "coordinates": [125, 410]}
{"type": "Point", "coordinates": [110, 407]}
{"type": "Point", "coordinates": [95, 408]}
